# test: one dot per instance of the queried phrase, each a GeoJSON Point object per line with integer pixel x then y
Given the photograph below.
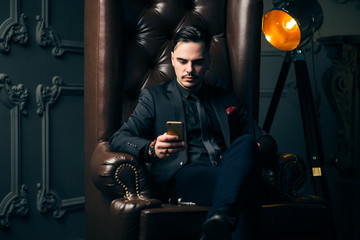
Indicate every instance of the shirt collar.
{"type": "Point", "coordinates": [186, 93]}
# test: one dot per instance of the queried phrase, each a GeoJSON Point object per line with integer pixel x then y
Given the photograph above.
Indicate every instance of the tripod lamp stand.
{"type": "Point", "coordinates": [288, 27]}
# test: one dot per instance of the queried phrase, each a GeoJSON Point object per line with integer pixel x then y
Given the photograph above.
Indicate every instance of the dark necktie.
{"type": "Point", "coordinates": [205, 129]}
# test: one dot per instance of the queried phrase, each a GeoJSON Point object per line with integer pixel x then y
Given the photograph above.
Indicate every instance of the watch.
{"type": "Point", "coordinates": [152, 152]}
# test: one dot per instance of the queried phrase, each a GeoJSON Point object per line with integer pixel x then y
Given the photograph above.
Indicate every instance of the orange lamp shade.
{"type": "Point", "coordinates": [281, 30]}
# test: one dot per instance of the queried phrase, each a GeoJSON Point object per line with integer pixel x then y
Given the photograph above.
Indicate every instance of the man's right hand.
{"type": "Point", "coordinates": [167, 145]}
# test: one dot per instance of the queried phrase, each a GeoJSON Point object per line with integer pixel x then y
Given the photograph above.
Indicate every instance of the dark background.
{"type": "Point", "coordinates": [44, 151]}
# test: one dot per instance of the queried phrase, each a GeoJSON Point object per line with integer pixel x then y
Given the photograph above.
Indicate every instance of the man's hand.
{"type": "Point", "coordinates": [168, 145]}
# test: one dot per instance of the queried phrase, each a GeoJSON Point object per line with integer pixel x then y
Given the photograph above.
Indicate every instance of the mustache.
{"type": "Point", "coordinates": [189, 75]}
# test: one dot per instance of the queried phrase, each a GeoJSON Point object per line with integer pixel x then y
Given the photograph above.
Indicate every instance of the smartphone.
{"type": "Point", "coordinates": [175, 128]}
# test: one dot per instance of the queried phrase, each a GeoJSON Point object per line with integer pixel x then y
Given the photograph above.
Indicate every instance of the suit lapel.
{"type": "Point", "coordinates": [176, 101]}
{"type": "Point", "coordinates": [219, 108]}
{"type": "Point", "coordinates": [177, 104]}
{"type": "Point", "coordinates": [217, 104]}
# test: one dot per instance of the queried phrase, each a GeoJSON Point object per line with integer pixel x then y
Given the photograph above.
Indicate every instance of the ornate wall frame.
{"type": "Point", "coordinates": [343, 1]}
{"type": "Point", "coordinates": [47, 36]}
{"type": "Point", "coordinates": [341, 83]}
{"type": "Point", "coordinates": [15, 202]}
{"type": "Point", "coordinates": [47, 198]}
{"type": "Point", "coordinates": [13, 28]}
{"type": "Point", "coordinates": [267, 92]}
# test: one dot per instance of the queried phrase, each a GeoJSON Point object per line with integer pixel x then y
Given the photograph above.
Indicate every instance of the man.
{"type": "Point", "coordinates": [218, 162]}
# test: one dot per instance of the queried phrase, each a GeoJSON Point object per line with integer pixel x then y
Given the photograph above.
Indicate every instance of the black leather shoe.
{"type": "Point", "coordinates": [218, 227]}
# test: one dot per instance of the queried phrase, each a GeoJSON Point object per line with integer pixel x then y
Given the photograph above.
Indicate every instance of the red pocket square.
{"type": "Point", "coordinates": [230, 109]}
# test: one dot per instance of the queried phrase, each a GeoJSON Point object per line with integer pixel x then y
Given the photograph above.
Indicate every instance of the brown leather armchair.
{"type": "Point", "coordinates": [127, 49]}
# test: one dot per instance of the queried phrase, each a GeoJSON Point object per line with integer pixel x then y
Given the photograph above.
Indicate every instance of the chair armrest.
{"type": "Point", "coordinates": [284, 180]}
{"type": "Point", "coordinates": [119, 175]}
{"type": "Point", "coordinates": [126, 182]}
{"type": "Point", "coordinates": [291, 175]}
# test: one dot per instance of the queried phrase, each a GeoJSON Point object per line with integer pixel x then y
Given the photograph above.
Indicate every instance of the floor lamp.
{"type": "Point", "coordinates": [288, 27]}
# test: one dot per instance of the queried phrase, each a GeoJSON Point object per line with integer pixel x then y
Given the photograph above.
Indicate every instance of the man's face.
{"type": "Point", "coordinates": [190, 61]}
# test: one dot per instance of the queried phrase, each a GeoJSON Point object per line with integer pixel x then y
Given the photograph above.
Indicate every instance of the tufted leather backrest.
{"type": "Point", "coordinates": [148, 28]}
{"type": "Point", "coordinates": [127, 47]}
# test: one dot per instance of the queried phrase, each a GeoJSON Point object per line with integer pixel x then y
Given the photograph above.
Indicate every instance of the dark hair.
{"type": "Point", "coordinates": [191, 34]}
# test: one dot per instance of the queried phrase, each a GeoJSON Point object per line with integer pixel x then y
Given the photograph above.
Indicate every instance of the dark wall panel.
{"type": "Point", "coordinates": [41, 120]}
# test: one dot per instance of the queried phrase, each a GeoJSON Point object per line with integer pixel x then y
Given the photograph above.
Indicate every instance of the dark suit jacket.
{"type": "Point", "coordinates": [163, 102]}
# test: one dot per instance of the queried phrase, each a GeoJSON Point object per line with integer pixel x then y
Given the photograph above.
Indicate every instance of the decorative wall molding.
{"type": "Point", "coordinates": [47, 198]}
{"type": "Point", "coordinates": [290, 91]}
{"type": "Point", "coordinates": [15, 202]}
{"type": "Point", "coordinates": [276, 53]}
{"type": "Point", "coordinates": [47, 36]}
{"type": "Point", "coordinates": [341, 82]}
{"type": "Point", "coordinates": [343, 1]}
{"type": "Point", "coordinates": [268, 92]}
{"type": "Point", "coordinates": [13, 28]}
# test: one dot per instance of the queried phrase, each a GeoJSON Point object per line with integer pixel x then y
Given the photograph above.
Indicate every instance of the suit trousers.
{"type": "Point", "coordinates": [233, 187]}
